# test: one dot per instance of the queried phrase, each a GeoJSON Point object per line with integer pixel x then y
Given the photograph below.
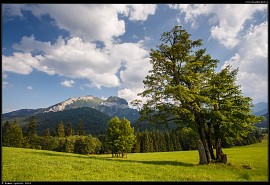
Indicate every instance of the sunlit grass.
{"type": "Point", "coordinates": [20, 164]}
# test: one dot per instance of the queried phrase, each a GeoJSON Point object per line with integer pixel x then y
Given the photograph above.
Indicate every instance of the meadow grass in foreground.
{"type": "Point", "coordinates": [20, 164]}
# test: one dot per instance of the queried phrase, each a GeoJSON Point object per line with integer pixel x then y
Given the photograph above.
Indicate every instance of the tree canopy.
{"type": "Point", "coordinates": [184, 88]}
{"type": "Point", "coordinates": [120, 136]}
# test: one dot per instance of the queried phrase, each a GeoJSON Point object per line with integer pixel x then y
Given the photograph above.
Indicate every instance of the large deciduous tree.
{"type": "Point", "coordinates": [184, 88]}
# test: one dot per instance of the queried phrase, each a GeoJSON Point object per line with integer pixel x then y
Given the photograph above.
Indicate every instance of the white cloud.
{"type": "Point", "coordinates": [128, 94]}
{"type": "Point", "coordinates": [30, 87]}
{"type": "Point", "coordinates": [68, 83]}
{"type": "Point", "coordinates": [23, 63]}
{"type": "Point", "coordinates": [29, 44]}
{"type": "Point", "coordinates": [229, 19]}
{"type": "Point", "coordinates": [18, 63]}
{"type": "Point", "coordinates": [192, 11]}
{"type": "Point", "coordinates": [91, 22]}
{"type": "Point", "coordinates": [136, 66]}
{"type": "Point", "coordinates": [252, 60]}
{"type": "Point", "coordinates": [78, 56]}
{"type": "Point", "coordinates": [75, 58]}
{"type": "Point", "coordinates": [136, 63]}
{"type": "Point", "coordinates": [12, 9]}
{"type": "Point", "coordinates": [140, 12]}
{"type": "Point", "coordinates": [104, 98]}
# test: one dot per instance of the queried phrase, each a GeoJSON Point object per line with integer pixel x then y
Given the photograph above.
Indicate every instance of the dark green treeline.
{"type": "Point", "coordinates": [64, 138]}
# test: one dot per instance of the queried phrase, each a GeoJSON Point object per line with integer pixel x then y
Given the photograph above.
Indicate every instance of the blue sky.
{"type": "Point", "coordinates": [51, 52]}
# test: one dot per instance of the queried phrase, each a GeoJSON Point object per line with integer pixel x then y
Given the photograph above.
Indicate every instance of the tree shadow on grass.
{"type": "Point", "coordinates": [172, 163]}
{"type": "Point", "coordinates": [59, 154]}
{"type": "Point", "coordinates": [124, 160]}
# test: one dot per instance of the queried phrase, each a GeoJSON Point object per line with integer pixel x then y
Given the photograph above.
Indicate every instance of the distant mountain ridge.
{"type": "Point", "coordinates": [92, 109]}
{"type": "Point", "coordinates": [75, 102]}
{"type": "Point", "coordinates": [260, 108]}
{"type": "Point", "coordinates": [112, 106]}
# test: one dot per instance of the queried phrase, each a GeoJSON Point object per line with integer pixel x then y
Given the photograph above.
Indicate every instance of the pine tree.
{"type": "Point", "coordinates": [61, 129]}
{"type": "Point", "coordinates": [137, 146]}
{"type": "Point", "coordinates": [80, 128]}
{"type": "Point", "coordinates": [32, 136]}
{"type": "Point", "coordinates": [47, 132]}
{"type": "Point", "coordinates": [69, 130]}
{"type": "Point", "coordinates": [12, 135]}
{"type": "Point", "coordinates": [145, 142]}
{"type": "Point", "coordinates": [32, 127]}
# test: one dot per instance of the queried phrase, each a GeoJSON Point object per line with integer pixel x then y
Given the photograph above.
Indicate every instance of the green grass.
{"type": "Point", "coordinates": [20, 164]}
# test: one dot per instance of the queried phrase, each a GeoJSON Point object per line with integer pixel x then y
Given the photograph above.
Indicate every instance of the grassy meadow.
{"type": "Point", "coordinates": [19, 164]}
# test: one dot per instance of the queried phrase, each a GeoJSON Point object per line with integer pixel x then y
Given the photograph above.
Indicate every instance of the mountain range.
{"type": "Point", "coordinates": [260, 108]}
{"type": "Point", "coordinates": [95, 112]}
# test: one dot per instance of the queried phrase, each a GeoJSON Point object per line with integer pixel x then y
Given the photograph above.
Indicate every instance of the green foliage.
{"type": "Point", "coordinates": [87, 145]}
{"type": "Point", "coordinates": [188, 138]}
{"type": "Point", "coordinates": [32, 127]}
{"type": "Point", "coordinates": [80, 128]}
{"type": "Point", "coordinates": [12, 135]}
{"type": "Point", "coordinates": [120, 136]}
{"type": "Point", "coordinates": [60, 130]}
{"type": "Point", "coordinates": [229, 111]}
{"type": "Point", "coordinates": [47, 132]}
{"type": "Point", "coordinates": [95, 122]}
{"type": "Point", "coordinates": [157, 141]}
{"type": "Point", "coordinates": [173, 85]}
{"type": "Point", "coordinates": [184, 88]}
{"type": "Point", "coordinates": [48, 143]}
{"type": "Point", "coordinates": [69, 130]}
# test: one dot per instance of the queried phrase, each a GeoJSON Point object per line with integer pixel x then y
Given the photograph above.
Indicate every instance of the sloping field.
{"type": "Point", "coordinates": [28, 165]}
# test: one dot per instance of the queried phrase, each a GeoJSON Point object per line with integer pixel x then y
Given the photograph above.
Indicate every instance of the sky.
{"type": "Point", "coordinates": [52, 52]}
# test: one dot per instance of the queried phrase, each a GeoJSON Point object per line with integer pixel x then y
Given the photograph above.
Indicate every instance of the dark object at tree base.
{"type": "Point", "coordinates": [223, 158]}
{"type": "Point", "coordinates": [246, 166]}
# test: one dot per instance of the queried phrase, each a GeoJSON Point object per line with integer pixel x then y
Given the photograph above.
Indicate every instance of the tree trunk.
{"type": "Point", "coordinates": [209, 140]}
{"type": "Point", "coordinates": [221, 157]}
{"type": "Point", "coordinates": [202, 133]}
{"type": "Point", "coordinates": [202, 154]}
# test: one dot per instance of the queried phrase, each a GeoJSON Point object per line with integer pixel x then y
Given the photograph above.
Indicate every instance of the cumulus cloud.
{"type": "Point", "coordinates": [140, 12]}
{"type": "Point", "coordinates": [75, 58]}
{"type": "Point", "coordinates": [72, 58]}
{"type": "Point", "coordinates": [114, 65]}
{"type": "Point", "coordinates": [135, 60]}
{"type": "Point", "coordinates": [18, 63]}
{"type": "Point", "coordinates": [136, 66]}
{"type": "Point", "coordinates": [68, 83]}
{"type": "Point", "coordinates": [13, 9]}
{"type": "Point", "coordinates": [94, 22]}
{"type": "Point", "coordinates": [23, 63]}
{"type": "Point", "coordinates": [251, 59]}
{"type": "Point", "coordinates": [130, 94]}
{"type": "Point", "coordinates": [228, 19]}
{"type": "Point", "coordinates": [29, 44]}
